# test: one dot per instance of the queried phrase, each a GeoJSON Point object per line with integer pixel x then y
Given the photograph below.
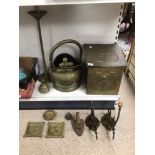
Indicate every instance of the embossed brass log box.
{"type": "Point", "coordinates": [105, 64]}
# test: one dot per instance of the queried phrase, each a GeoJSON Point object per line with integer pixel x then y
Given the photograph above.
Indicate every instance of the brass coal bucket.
{"type": "Point", "coordinates": [65, 70]}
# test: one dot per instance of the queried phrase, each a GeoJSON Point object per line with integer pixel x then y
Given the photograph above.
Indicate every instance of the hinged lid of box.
{"type": "Point", "coordinates": [104, 55]}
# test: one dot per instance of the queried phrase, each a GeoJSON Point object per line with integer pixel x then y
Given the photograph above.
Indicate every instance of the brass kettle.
{"type": "Point", "coordinates": [66, 71]}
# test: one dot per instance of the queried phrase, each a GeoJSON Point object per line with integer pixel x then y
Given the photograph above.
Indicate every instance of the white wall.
{"type": "Point", "coordinates": [91, 23]}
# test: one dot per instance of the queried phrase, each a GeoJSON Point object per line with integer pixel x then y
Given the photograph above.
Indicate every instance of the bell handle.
{"type": "Point", "coordinates": [65, 42]}
{"type": "Point", "coordinates": [78, 118]}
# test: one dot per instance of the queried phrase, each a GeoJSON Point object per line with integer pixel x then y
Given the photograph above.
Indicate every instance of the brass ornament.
{"type": "Point", "coordinates": [78, 124]}
{"type": "Point", "coordinates": [66, 75]}
{"type": "Point", "coordinates": [65, 63]}
{"type": "Point", "coordinates": [109, 122]}
{"type": "Point", "coordinates": [92, 121]}
{"type": "Point", "coordinates": [55, 130]}
{"type": "Point", "coordinates": [49, 115]}
{"type": "Point", "coordinates": [105, 64]}
{"type": "Point", "coordinates": [34, 129]}
{"type": "Point", "coordinates": [68, 116]}
{"type": "Point", "coordinates": [38, 14]}
{"type": "Point", "coordinates": [44, 87]}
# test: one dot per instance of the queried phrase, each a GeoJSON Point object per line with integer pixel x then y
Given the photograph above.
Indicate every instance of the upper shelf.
{"type": "Point", "coordinates": [64, 2]}
{"type": "Point", "coordinates": [77, 95]}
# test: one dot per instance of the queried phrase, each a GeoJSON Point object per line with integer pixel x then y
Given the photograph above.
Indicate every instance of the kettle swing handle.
{"type": "Point", "coordinates": [65, 42]}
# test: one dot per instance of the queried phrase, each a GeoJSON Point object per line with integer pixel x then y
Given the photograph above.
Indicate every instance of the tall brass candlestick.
{"type": "Point", "coordinates": [38, 14]}
{"type": "Point", "coordinates": [44, 78]}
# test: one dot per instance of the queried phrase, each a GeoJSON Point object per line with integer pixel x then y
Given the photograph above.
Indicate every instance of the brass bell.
{"type": "Point", "coordinates": [44, 87]}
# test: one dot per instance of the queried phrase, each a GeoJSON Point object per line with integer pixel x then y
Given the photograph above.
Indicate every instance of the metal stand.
{"type": "Point", "coordinates": [109, 122]}
{"type": "Point", "coordinates": [38, 14]}
{"type": "Point", "coordinates": [92, 121]}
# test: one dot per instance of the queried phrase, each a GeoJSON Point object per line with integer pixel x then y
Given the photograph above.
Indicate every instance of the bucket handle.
{"type": "Point", "coordinates": [64, 42]}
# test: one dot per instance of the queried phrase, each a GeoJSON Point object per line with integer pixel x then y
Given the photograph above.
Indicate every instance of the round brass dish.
{"type": "Point", "coordinates": [49, 115]}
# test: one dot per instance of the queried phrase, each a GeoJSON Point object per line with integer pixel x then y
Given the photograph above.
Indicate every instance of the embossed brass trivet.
{"type": "Point", "coordinates": [55, 130]}
{"type": "Point", "coordinates": [34, 129]}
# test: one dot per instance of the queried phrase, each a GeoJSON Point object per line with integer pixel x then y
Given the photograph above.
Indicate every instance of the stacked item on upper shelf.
{"type": "Point", "coordinates": [28, 74]}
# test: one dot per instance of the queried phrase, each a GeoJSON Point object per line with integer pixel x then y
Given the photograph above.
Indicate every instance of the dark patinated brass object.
{"type": "Point", "coordinates": [105, 64]}
{"type": "Point", "coordinates": [78, 124]}
{"type": "Point", "coordinates": [49, 115]}
{"type": "Point", "coordinates": [109, 122]}
{"type": "Point", "coordinates": [55, 130]}
{"type": "Point", "coordinates": [92, 121]}
{"type": "Point", "coordinates": [34, 129]}
{"type": "Point", "coordinates": [44, 87]}
{"type": "Point", "coordinates": [67, 75]}
{"type": "Point", "coordinates": [38, 14]}
{"type": "Point", "coordinates": [68, 116]}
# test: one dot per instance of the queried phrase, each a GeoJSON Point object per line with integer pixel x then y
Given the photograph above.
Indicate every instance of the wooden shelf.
{"type": "Point", "coordinates": [77, 95]}
{"type": "Point", "coordinates": [68, 2]}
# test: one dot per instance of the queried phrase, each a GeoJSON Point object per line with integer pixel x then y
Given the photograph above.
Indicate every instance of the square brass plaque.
{"type": "Point", "coordinates": [34, 129]}
{"type": "Point", "coordinates": [55, 130]}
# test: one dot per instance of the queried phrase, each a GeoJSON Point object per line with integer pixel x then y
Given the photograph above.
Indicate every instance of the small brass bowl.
{"type": "Point", "coordinates": [49, 115]}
